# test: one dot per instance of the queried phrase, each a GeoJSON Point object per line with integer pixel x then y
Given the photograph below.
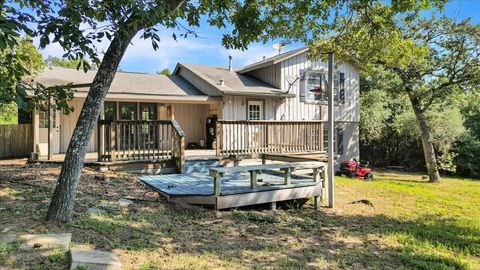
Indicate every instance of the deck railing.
{"type": "Point", "coordinates": [262, 137]}
{"type": "Point", "coordinates": [123, 140]}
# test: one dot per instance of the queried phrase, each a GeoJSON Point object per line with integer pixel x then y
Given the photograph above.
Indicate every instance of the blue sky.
{"type": "Point", "coordinates": [207, 49]}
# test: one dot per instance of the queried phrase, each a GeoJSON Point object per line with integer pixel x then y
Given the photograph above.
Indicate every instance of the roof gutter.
{"type": "Point", "coordinates": [250, 94]}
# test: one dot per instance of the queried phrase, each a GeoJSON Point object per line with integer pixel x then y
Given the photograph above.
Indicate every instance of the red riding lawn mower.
{"type": "Point", "coordinates": [355, 169]}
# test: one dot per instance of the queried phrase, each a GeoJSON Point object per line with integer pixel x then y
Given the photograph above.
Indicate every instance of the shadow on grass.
{"type": "Point", "coordinates": [300, 239]}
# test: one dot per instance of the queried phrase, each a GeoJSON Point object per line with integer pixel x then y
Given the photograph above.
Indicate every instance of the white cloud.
{"type": "Point", "coordinates": [140, 55]}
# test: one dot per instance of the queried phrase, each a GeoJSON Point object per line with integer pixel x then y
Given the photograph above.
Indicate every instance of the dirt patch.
{"type": "Point", "coordinates": [397, 233]}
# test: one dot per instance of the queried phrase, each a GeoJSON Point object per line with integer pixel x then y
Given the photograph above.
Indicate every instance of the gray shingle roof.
{"type": "Point", "coordinates": [123, 83]}
{"type": "Point", "coordinates": [234, 83]}
{"type": "Point", "coordinates": [273, 60]}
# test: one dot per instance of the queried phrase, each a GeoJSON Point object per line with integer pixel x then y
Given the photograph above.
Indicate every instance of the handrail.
{"type": "Point", "coordinates": [269, 121]}
{"type": "Point", "coordinates": [177, 127]}
{"type": "Point", "coordinates": [134, 121]}
{"type": "Point", "coordinates": [253, 137]}
{"type": "Point", "coordinates": [178, 150]}
{"type": "Point", "coordinates": [123, 140]}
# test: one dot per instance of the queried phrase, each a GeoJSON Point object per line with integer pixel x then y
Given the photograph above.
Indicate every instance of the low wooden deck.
{"type": "Point", "coordinates": [92, 157]}
{"type": "Point", "coordinates": [198, 187]}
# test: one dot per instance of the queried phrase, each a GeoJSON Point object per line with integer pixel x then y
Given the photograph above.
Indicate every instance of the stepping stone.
{"type": "Point", "coordinates": [45, 241]}
{"type": "Point", "coordinates": [96, 211]}
{"type": "Point", "coordinates": [125, 202]}
{"type": "Point", "coordinates": [92, 259]}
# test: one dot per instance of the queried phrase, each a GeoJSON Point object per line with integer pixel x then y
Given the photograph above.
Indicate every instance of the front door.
{"type": "Point", "coordinates": [43, 132]}
{"type": "Point", "coordinates": [254, 112]}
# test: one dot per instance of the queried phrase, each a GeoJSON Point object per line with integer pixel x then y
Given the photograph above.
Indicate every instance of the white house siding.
{"type": "Point", "coordinates": [68, 123]}
{"type": "Point", "coordinates": [269, 74]}
{"type": "Point", "coordinates": [235, 107]}
{"type": "Point", "coordinates": [192, 119]}
{"type": "Point", "coordinates": [294, 109]}
{"type": "Point", "coordinates": [351, 145]}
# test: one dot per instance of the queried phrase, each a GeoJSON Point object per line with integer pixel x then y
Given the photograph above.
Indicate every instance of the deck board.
{"type": "Point", "coordinates": [200, 184]}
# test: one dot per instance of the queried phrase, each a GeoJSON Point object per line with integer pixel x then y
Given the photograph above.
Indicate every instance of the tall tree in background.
{"type": "Point", "coordinates": [26, 58]}
{"type": "Point", "coordinates": [77, 25]}
{"type": "Point", "coordinates": [20, 61]}
{"type": "Point", "coordinates": [66, 63]}
{"type": "Point", "coordinates": [164, 71]}
{"type": "Point", "coordinates": [432, 58]}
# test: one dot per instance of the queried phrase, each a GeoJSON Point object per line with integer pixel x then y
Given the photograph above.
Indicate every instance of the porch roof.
{"type": "Point", "coordinates": [125, 84]}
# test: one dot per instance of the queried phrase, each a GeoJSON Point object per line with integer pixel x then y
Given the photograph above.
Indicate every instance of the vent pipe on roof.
{"type": "Point", "coordinates": [230, 68]}
{"type": "Point", "coordinates": [264, 57]}
{"type": "Point", "coordinates": [222, 82]}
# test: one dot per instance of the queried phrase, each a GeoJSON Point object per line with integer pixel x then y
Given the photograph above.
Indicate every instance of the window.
{"type": "Point", "coordinates": [148, 111]}
{"type": "Point", "coordinates": [316, 86]}
{"type": "Point", "coordinates": [128, 111]}
{"type": "Point", "coordinates": [110, 110]}
{"type": "Point", "coordinates": [255, 110]}
{"type": "Point", "coordinates": [43, 118]}
{"type": "Point", "coordinates": [337, 140]}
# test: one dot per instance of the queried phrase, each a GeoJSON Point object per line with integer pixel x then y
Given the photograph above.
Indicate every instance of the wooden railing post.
{"type": "Point", "coordinates": [178, 147]}
{"type": "Point", "coordinates": [218, 138]}
{"type": "Point", "coordinates": [114, 140]}
{"type": "Point", "coordinates": [100, 140]}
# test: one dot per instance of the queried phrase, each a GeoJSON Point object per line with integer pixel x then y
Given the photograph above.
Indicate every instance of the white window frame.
{"type": "Point", "coordinates": [324, 97]}
{"type": "Point", "coordinates": [261, 111]}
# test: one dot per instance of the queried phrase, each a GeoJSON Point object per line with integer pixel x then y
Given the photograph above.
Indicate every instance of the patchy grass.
{"type": "Point", "coordinates": [412, 225]}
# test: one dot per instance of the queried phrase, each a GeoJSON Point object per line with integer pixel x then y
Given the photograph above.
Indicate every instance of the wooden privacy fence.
{"type": "Point", "coordinates": [16, 140]}
{"type": "Point", "coordinates": [123, 140]}
{"type": "Point", "coordinates": [262, 137]}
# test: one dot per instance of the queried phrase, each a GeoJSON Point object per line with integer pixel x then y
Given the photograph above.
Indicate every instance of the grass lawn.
{"type": "Point", "coordinates": [412, 225]}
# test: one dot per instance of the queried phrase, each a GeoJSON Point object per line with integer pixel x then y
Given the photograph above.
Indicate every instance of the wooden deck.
{"type": "Point", "coordinates": [92, 157]}
{"type": "Point", "coordinates": [197, 187]}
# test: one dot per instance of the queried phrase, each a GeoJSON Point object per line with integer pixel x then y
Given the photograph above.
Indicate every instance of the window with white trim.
{"type": "Point", "coordinates": [316, 87]}
{"type": "Point", "coordinates": [255, 110]}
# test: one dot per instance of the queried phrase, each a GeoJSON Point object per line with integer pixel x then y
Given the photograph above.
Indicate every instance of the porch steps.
{"type": "Point", "coordinates": [200, 166]}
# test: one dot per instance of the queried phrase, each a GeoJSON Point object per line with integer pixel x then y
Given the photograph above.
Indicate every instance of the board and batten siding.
{"type": "Point", "coordinates": [192, 119]}
{"type": "Point", "coordinates": [68, 123]}
{"type": "Point", "coordinates": [270, 74]}
{"type": "Point", "coordinates": [294, 109]}
{"type": "Point", "coordinates": [235, 107]}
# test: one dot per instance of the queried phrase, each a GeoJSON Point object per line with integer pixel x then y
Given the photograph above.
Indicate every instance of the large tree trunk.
{"type": "Point", "coordinates": [63, 199]}
{"type": "Point", "coordinates": [427, 143]}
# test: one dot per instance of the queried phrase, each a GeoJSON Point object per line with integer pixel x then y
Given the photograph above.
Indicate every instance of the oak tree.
{"type": "Point", "coordinates": [431, 58]}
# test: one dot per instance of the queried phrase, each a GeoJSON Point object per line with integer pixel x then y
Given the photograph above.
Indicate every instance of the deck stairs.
{"type": "Point", "coordinates": [200, 166]}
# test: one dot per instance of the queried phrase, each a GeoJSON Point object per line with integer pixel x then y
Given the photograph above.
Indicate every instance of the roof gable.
{"type": "Point", "coordinates": [234, 83]}
{"type": "Point", "coordinates": [273, 60]}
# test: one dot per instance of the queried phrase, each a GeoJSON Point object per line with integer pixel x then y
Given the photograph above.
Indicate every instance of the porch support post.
{"type": "Point", "coordinates": [331, 119]}
{"type": "Point", "coordinates": [172, 111]}
{"type": "Point", "coordinates": [50, 131]}
{"type": "Point", "coordinates": [36, 129]}
{"type": "Point", "coordinates": [101, 135]}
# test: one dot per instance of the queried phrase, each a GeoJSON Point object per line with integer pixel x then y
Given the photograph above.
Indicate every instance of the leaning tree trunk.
{"type": "Point", "coordinates": [427, 143]}
{"type": "Point", "coordinates": [63, 198]}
